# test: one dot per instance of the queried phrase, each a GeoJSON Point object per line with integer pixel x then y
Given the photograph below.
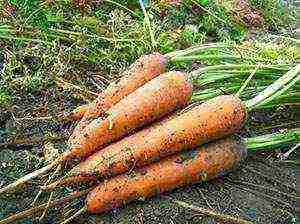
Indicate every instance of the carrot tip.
{"type": "Point", "coordinates": [25, 179]}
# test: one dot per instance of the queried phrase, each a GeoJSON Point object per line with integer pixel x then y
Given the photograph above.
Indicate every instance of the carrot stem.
{"type": "Point", "coordinates": [201, 73]}
{"type": "Point", "coordinates": [209, 57]}
{"type": "Point", "coordinates": [274, 90]}
{"type": "Point", "coordinates": [247, 81]}
{"type": "Point", "coordinates": [176, 54]}
{"type": "Point", "coordinates": [270, 140]}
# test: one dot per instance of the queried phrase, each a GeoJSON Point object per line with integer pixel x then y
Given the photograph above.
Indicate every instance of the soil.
{"type": "Point", "coordinates": [261, 190]}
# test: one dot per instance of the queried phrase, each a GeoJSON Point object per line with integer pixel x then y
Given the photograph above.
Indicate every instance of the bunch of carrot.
{"type": "Point", "coordinates": [112, 133]}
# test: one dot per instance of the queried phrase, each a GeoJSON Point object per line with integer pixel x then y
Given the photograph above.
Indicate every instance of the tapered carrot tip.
{"type": "Point", "coordinates": [69, 181]}
{"type": "Point", "coordinates": [78, 112]}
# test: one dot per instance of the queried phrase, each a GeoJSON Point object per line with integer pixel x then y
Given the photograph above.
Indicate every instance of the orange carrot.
{"type": "Point", "coordinates": [151, 101]}
{"type": "Point", "coordinates": [214, 119]}
{"type": "Point", "coordinates": [202, 164]}
{"type": "Point", "coordinates": [140, 72]}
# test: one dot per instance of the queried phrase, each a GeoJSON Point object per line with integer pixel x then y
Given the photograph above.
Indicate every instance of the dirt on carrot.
{"type": "Point", "coordinates": [140, 72]}
{"type": "Point", "coordinates": [201, 164]}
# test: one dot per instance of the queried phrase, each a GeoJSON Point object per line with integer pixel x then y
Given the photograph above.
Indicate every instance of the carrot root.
{"type": "Point", "coordinates": [78, 213]}
{"type": "Point", "coordinates": [215, 215]}
{"type": "Point", "coordinates": [39, 209]}
{"type": "Point", "coordinates": [25, 179]}
{"type": "Point", "coordinates": [67, 181]}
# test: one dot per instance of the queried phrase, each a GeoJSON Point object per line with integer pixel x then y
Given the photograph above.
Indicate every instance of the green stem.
{"type": "Point", "coordinates": [276, 89]}
{"type": "Point", "coordinates": [148, 23]}
{"type": "Point", "coordinates": [172, 56]}
{"type": "Point", "coordinates": [209, 93]}
{"type": "Point", "coordinates": [202, 71]}
{"type": "Point", "coordinates": [210, 57]}
{"type": "Point", "coordinates": [271, 140]}
{"type": "Point", "coordinates": [247, 81]}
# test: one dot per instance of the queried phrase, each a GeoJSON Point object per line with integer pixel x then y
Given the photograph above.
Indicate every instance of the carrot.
{"type": "Point", "coordinates": [202, 164]}
{"type": "Point", "coordinates": [214, 119]}
{"type": "Point", "coordinates": [146, 68]}
{"type": "Point", "coordinates": [143, 70]}
{"type": "Point", "coordinates": [215, 125]}
{"type": "Point", "coordinates": [217, 118]}
{"type": "Point", "coordinates": [151, 101]}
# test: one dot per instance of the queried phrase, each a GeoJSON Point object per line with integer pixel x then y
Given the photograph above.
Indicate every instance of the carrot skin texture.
{"type": "Point", "coordinates": [201, 164]}
{"type": "Point", "coordinates": [209, 121]}
{"type": "Point", "coordinates": [151, 101]}
{"type": "Point", "coordinates": [140, 72]}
